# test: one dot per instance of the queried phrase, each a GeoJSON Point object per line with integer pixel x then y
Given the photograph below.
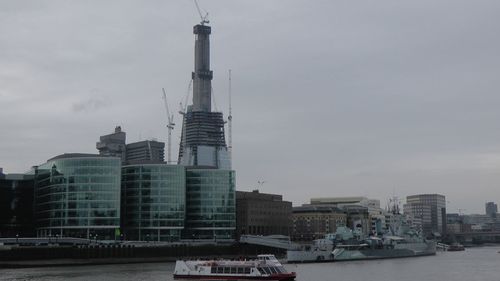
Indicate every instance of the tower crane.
{"type": "Point", "coordinates": [204, 19]}
{"type": "Point", "coordinates": [230, 125]}
{"type": "Point", "coordinates": [170, 127]}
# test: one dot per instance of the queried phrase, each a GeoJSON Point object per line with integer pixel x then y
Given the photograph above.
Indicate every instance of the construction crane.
{"type": "Point", "coordinates": [230, 125]}
{"type": "Point", "coordinates": [170, 127]}
{"type": "Point", "coordinates": [204, 19]}
{"type": "Point", "coordinates": [183, 111]}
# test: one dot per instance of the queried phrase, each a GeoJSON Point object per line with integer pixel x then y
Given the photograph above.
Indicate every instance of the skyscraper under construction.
{"type": "Point", "coordinates": [203, 141]}
{"type": "Point", "coordinates": [210, 182]}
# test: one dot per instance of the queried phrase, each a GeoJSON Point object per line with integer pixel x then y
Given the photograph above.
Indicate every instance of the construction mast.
{"type": "Point", "coordinates": [229, 125]}
{"type": "Point", "coordinates": [170, 127]}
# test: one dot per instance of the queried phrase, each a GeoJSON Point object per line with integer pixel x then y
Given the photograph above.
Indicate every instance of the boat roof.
{"type": "Point", "coordinates": [394, 238]}
{"type": "Point", "coordinates": [352, 245]}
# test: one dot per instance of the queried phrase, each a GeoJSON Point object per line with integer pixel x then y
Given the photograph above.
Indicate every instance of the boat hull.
{"type": "Point", "coordinates": [287, 277]}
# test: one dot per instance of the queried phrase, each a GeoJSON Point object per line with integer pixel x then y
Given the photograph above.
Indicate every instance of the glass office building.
{"type": "Point", "coordinates": [153, 202]}
{"type": "Point", "coordinates": [78, 195]}
{"type": "Point", "coordinates": [210, 200]}
{"type": "Point", "coordinates": [16, 205]}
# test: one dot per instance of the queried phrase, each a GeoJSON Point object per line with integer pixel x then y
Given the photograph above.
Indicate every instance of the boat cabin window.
{"type": "Point", "coordinates": [240, 270]}
{"type": "Point", "coordinates": [234, 270]}
{"type": "Point", "coordinates": [267, 270]}
{"type": "Point", "coordinates": [273, 270]}
{"type": "Point", "coordinates": [227, 270]}
{"type": "Point", "coordinates": [261, 270]}
{"type": "Point", "coordinates": [220, 269]}
{"type": "Point", "coordinates": [213, 270]}
{"type": "Point", "coordinates": [247, 270]}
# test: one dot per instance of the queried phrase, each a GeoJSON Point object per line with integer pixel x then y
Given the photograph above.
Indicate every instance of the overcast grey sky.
{"type": "Point", "coordinates": [330, 98]}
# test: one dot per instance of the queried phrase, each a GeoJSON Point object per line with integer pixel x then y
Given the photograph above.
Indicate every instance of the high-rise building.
{"type": "Point", "coordinates": [202, 140]}
{"type": "Point", "coordinates": [262, 214]}
{"type": "Point", "coordinates": [491, 209]}
{"type": "Point", "coordinates": [78, 195]}
{"type": "Point", "coordinates": [16, 205]}
{"type": "Point", "coordinates": [428, 211]}
{"type": "Point", "coordinates": [148, 151]}
{"type": "Point", "coordinates": [113, 144]}
{"type": "Point", "coordinates": [210, 182]}
{"type": "Point", "coordinates": [153, 202]}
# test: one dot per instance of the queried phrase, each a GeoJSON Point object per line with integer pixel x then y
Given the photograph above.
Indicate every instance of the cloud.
{"type": "Point", "coordinates": [89, 105]}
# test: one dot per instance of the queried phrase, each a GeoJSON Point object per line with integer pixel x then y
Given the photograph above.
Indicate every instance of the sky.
{"type": "Point", "coordinates": [330, 98]}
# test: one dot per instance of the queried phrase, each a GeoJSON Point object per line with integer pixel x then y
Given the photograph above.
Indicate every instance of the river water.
{"type": "Point", "coordinates": [474, 264]}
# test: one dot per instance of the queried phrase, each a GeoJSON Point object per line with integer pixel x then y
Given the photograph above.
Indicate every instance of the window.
{"type": "Point", "coordinates": [267, 270]}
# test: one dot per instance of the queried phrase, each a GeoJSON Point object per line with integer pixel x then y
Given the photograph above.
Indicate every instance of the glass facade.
{"type": "Point", "coordinates": [78, 196]}
{"type": "Point", "coordinates": [153, 202]}
{"type": "Point", "coordinates": [16, 206]}
{"type": "Point", "coordinates": [210, 200]}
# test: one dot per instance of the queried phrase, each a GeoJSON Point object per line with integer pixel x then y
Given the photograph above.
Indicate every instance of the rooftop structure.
{"type": "Point", "coordinates": [112, 144]}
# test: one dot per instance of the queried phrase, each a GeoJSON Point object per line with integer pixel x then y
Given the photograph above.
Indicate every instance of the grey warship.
{"type": "Point", "coordinates": [346, 244]}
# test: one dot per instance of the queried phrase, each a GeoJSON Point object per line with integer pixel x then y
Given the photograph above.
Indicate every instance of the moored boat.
{"type": "Point", "coordinates": [456, 247]}
{"type": "Point", "coordinates": [347, 244]}
{"type": "Point", "coordinates": [265, 267]}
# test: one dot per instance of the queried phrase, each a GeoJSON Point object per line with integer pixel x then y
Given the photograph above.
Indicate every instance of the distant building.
{"type": "Point", "coordinates": [341, 201]}
{"type": "Point", "coordinates": [428, 210]}
{"type": "Point", "coordinates": [113, 144]}
{"type": "Point", "coordinates": [78, 195]}
{"type": "Point", "coordinates": [262, 214]}
{"type": "Point", "coordinates": [153, 202]}
{"type": "Point", "coordinates": [16, 205]}
{"type": "Point", "coordinates": [315, 221]}
{"type": "Point", "coordinates": [362, 213]}
{"type": "Point", "coordinates": [491, 209]}
{"type": "Point", "coordinates": [148, 151]}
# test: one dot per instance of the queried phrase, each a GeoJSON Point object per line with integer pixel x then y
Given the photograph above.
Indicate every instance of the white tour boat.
{"type": "Point", "coordinates": [265, 267]}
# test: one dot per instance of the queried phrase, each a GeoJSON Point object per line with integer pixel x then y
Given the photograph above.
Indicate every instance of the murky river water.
{"type": "Point", "coordinates": [474, 264]}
